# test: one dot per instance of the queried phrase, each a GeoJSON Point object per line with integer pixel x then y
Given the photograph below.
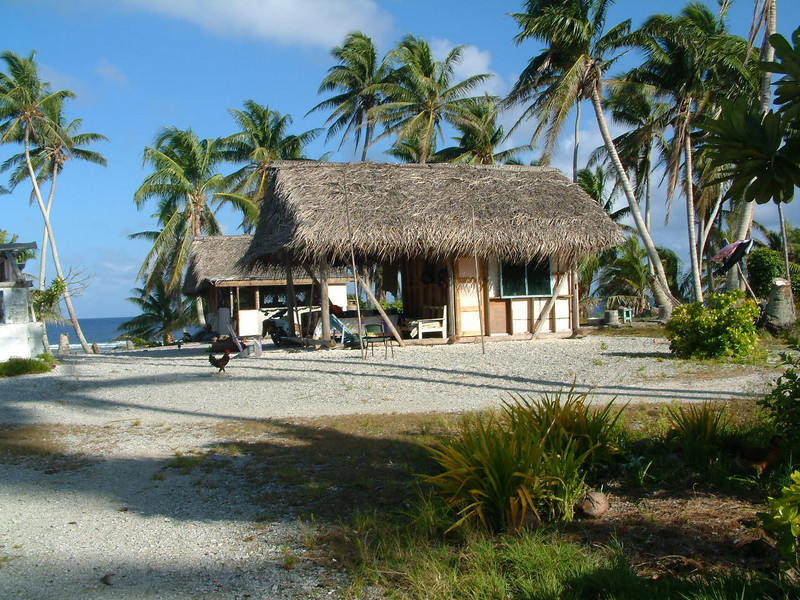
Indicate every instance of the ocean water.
{"type": "Point", "coordinates": [101, 331]}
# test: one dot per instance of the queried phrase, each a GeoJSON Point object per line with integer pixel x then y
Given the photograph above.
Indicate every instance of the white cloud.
{"type": "Point", "coordinates": [321, 23]}
{"type": "Point", "coordinates": [111, 72]}
{"type": "Point", "coordinates": [474, 61]}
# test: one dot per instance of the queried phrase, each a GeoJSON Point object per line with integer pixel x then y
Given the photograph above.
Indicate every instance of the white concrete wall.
{"type": "Point", "coordinates": [20, 340]}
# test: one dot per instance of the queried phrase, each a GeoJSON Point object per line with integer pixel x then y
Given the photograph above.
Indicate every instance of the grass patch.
{"type": "Point", "coordinates": [25, 366]}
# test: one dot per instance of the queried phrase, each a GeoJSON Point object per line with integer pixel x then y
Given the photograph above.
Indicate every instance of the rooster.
{"type": "Point", "coordinates": [220, 362]}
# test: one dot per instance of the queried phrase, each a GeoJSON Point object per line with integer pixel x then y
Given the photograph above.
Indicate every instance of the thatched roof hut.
{"type": "Point", "coordinates": [398, 211]}
{"type": "Point", "coordinates": [214, 260]}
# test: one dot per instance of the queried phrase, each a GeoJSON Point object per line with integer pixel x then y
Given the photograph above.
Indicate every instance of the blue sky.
{"type": "Point", "coordinates": [138, 65]}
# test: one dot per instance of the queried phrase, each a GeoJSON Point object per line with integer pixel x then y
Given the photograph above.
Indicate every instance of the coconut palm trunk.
{"type": "Point", "coordinates": [660, 286]}
{"type": "Point", "coordinates": [767, 54]}
{"type": "Point", "coordinates": [577, 136]}
{"type": "Point", "coordinates": [690, 214]}
{"type": "Point", "coordinates": [53, 247]}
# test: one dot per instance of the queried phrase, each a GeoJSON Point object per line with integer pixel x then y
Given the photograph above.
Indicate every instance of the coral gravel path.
{"type": "Point", "coordinates": [99, 520]}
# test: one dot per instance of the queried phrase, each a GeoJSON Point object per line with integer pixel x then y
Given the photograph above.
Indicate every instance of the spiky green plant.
{"type": "Point", "coordinates": [492, 474]}
{"type": "Point", "coordinates": [594, 429]}
{"type": "Point", "coordinates": [698, 429]}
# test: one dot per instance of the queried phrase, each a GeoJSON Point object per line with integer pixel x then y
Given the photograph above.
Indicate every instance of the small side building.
{"type": "Point", "coordinates": [21, 336]}
{"type": "Point", "coordinates": [242, 296]}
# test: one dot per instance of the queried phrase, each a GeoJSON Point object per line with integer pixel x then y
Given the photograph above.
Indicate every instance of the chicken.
{"type": "Point", "coordinates": [220, 362]}
{"type": "Point", "coordinates": [760, 458]}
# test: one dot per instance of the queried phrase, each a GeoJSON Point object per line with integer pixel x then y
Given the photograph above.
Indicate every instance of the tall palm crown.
{"type": "Point", "coordinates": [49, 155]}
{"type": "Point", "coordinates": [26, 102]}
{"type": "Point", "coordinates": [692, 61]}
{"type": "Point", "coordinates": [566, 71]}
{"type": "Point", "coordinates": [480, 135]}
{"type": "Point", "coordinates": [421, 95]}
{"type": "Point", "coordinates": [263, 138]}
{"type": "Point", "coordinates": [188, 187]}
{"type": "Point", "coordinates": [357, 79]}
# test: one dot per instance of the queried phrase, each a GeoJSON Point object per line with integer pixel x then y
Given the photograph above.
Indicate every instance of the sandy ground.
{"type": "Point", "coordinates": [100, 521]}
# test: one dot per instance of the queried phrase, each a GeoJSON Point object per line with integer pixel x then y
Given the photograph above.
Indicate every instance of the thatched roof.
{"type": "Point", "coordinates": [214, 260]}
{"type": "Point", "coordinates": [518, 214]}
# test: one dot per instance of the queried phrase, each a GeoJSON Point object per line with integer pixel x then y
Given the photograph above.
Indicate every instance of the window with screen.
{"type": "Point", "coordinates": [531, 279]}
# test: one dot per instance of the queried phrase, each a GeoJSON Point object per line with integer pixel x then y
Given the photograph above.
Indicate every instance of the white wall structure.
{"type": "Point", "coordinates": [20, 337]}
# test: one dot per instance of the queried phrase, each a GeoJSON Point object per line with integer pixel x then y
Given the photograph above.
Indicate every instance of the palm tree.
{"type": "Point", "coordinates": [635, 107]}
{"type": "Point", "coordinates": [48, 159]}
{"type": "Point", "coordinates": [765, 18]}
{"type": "Point", "coordinates": [263, 138]}
{"type": "Point", "coordinates": [572, 67]}
{"type": "Point", "coordinates": [691, 60]}
{"type": "Point", "coordinates": [595, 183]}
{"type": "Point", "coordinates": [476, 120]}
{"type": "Point", "coordinates": [421, 95]}
{"type": "Point", "coordinates": [625, 281]}
{"type": "Point", "coordinates": [162, 313]}
{"type": "Point", "coordinates": [188, 187]}
{"type": "Point", "coordinates": [357, 79]}
{"type": "Point", "coordinates": [26, 107]}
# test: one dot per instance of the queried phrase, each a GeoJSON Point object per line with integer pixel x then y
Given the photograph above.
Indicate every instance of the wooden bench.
{"type": "Point", "coordinates": [434, 320]}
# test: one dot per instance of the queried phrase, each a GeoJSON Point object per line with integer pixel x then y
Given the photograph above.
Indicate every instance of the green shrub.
{"type": "Point", "coordinates": [782, 404]}
{"type": "Point", "coordinates": [726, 327]}
{"type": "Point", "coordinates": [783, 519]}
{"type": "Point", "coordinates": [764, 265]}
{"type": "Point", "coordinates": [24, 366]}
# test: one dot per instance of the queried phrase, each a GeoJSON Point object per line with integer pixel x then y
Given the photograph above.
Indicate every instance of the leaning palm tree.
{"type": "Point", "coordinates": [572, 66]}
{"type": "Point", "coordinates": [692, 61]}
{"type": "Point", "coordinates": [26, 109]}
{"type": "Point", "coordinates": [421, 95]}
{"type": "Point", "coordinates": [357, 79]}
{"type": "Point", "coordinates": [49, 157]}
{"type": "Point", "coordinates": [480, 137]}
{"type": "Point", "coordinates": [636, 108]}
{"type": "Point", "coordinates": [162, 313]}
{"type": "Point", "coordinates": [188, 187]}
{"type": "Point", "coordinates": [263, 138]}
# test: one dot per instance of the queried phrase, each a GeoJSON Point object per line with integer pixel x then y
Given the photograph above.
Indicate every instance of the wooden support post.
{"type": "Point", "coordinates": [382, 312]}
{"type": "Point", "coordinates": [451, 301]}
{"type": "Point", "coordinates": [325, 305]}
{"type": "Point", "coordinates": [576, 304]}
{"type": "Point", "coordinates": [290, 300]}
{"type": "Point", "coordinates": [548, 305]}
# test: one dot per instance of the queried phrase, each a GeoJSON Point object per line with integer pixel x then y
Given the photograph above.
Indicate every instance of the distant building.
{"type": "Point", "coordinates": [20, 335]}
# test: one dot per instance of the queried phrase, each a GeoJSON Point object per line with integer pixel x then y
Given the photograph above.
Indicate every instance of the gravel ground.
{"type": "Point", "coordinates": [98, 521]}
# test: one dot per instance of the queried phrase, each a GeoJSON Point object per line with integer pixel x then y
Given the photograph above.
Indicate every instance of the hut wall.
{"type": "Point", "coordinates": [20, 337]}
{"type": "Point", "coordinates": [517, 315]}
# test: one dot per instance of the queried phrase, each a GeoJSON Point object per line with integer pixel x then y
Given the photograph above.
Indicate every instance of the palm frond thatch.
{"type": "Point", "coordinates": [400, 211]}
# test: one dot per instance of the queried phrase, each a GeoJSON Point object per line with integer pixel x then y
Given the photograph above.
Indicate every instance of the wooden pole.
{"type": "Point", "coordinates": [353, 266]}
{"type": "Point", "coordinates": [451, 301]}
{"type": "Point", "coordinates": [548, 305]}
{"type": "Point", "coordinates": [383, 314]}
{"type": "Point", "coordinates": [290, 299]}
{"type": "Point", "coordinates": [325, 305]}
{"type": "Point", "coordinates": [477, 281]}
{"type": "Point", "coordinates": [576, 305]}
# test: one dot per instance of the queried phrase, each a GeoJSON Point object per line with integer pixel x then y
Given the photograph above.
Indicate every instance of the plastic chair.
{"type": "Point", "coordinates": [374, 332]}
